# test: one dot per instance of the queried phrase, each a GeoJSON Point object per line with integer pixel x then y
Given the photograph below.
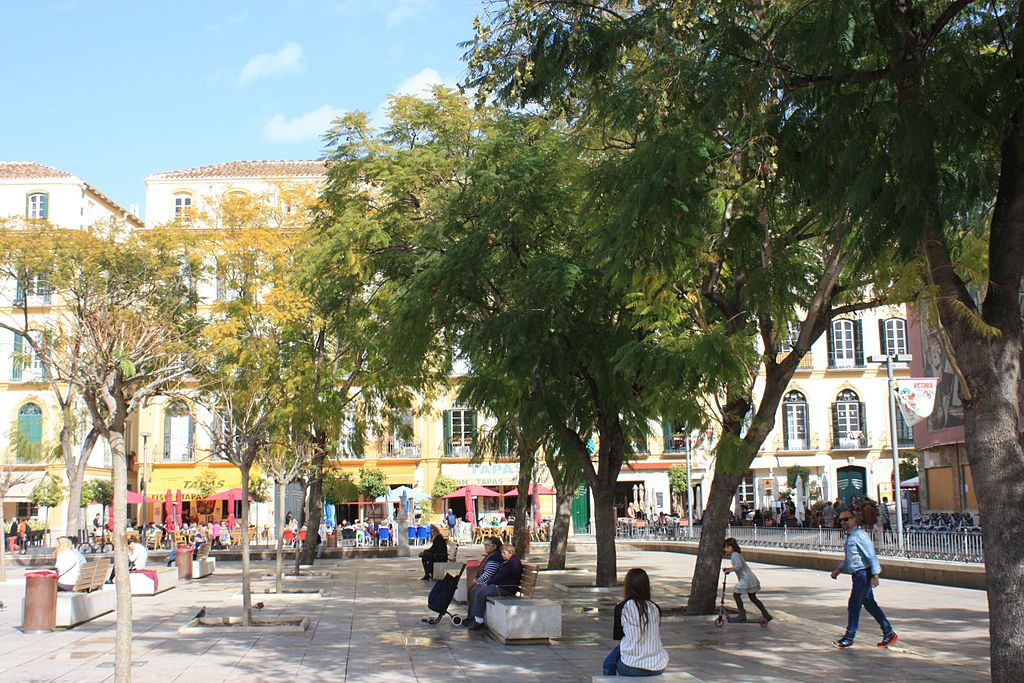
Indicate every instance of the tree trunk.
{"type": "Point", "coordinates": [3, 543]}
{"type": "Point", "coordinates": [76, 481]}
{"type": "Point", "coordinates": [704, 587]}
{"type": "Point", "coordinates": [315, 507]}
{"type": "Point", "coordinates": [527, 464]}
{"type": "Point", "coordinates": [604, 521]}
{"type": "Point", "coordinates": [560, 529]}
{"type": "Point", "coordinates": [246, 578]}
{"type": "Point", "coordinates": [279, 555]}
{"type": "Point", "coordinates": [997, 465]}
{"type": "Point", "coordinates": [122, 582]}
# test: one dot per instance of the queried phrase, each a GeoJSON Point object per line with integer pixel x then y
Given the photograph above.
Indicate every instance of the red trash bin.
{"type": "Point", "coordinates": [40, 609]}
{"type": "Point", "coordinates": [183, 560]}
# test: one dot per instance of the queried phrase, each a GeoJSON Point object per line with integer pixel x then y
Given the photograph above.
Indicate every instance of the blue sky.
{"type": "Point", "coordinates": [114, 91]}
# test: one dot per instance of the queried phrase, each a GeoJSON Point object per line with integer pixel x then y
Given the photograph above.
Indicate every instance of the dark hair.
{"type": "Point", "coordinates": [637, 587]}
{"type": "Point", "coordinates": [734, 545]}
{"type": "Point", "coordinates": [495, 541]}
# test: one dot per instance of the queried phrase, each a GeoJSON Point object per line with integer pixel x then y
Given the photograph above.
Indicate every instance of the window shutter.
{"type": "Point", "coordinates": [835, 425]}
{"type": "Point", "coordinates": [858, 341]}
{"type": "Point", "coordinates": [446, 418]}
{"type": "Point", "coordinates": [19, 291]}
{"type": "Point", "coordinates": [882, 342]}
{"type": "Point", "coordinates": [471, 425]}
{"type": "Point", "coordinates": [167, 433]}
{"type": "Point", "coordinates": [831, 346]}
{"type": "Point", "coordinates": [16, 360]}
{"type": "Point", "coordinates": [785, 427]}
{"type": "Point", "coordinates": [44, 212]}
{"type": "Point", "coordinates": [666, 435]}
{"type": "Point", "coordinates": [862, 420]}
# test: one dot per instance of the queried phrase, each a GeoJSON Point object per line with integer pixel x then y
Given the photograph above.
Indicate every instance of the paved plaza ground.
{"type": "Point", "coordinates": [368, 628]}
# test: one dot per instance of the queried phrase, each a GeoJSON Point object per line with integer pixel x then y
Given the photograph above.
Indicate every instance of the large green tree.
{"type": "Point", "coordinates": [898, 121]}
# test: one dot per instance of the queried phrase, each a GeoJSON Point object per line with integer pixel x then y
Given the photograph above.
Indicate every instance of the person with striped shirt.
{"type": "Point", "coordinates": [492, 563]}
{"type": "Point", "coordinates": [638, 628]}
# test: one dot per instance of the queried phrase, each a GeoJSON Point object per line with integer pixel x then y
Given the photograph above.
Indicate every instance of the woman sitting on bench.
{"type": "Point", "coordinates": [504, 583]}
{"type": "Point", "coordinates": [437, 552]}
{"type": "Point", "coordinates": [69, 563]}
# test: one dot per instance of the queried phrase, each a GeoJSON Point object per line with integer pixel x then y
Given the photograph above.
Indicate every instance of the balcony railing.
{"type": "Point", "coordinates": [401, 450]}
{"type": "Point", "coordinates": [850, 441]}
{"type": "Point", "coordinates": [452, 450]}
{"type": "Point", "coordinates": [187, 456]}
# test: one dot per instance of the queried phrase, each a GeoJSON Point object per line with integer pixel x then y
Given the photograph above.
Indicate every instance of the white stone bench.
{"type": "Point", "coordinates": [77, 608]}
{"type": "Point", "coordinates": [517, 621]}
{"type": "Point", "coordinates": [462, 590]}
{"type": "Point", "coordinates": [442, 568]}
{"type": "Point", "coordinates": [166, 579]}
{"type": "Point", "coordinates": [664, 676]}
{"type": "Point", "coordinates": [204, 567]}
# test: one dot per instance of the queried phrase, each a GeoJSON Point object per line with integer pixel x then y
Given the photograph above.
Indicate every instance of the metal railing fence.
{"type": "Point", "coordinates": [947, 545]}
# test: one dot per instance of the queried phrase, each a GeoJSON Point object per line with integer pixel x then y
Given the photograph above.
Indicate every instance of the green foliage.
{"type": "Point", "coordinates": [48, 492]}
{"type": "Point", "coordinates": [259, 489]}
{"type": "Point", "coordinates": [677, 481]}
{"type": "Point", "coordinates": [442, 487]}
{"type": "Point", "coordinates": [908, 466]}
{"type": "Point", "coordinates": [797, 471]}
{"type": "Point", "coordinates": [340, 487]}
{"type": "Point", "coordinates": [206, 483]}
{"type": "Point", "coordinates": [98, 491]}
{"type": "Point", "coordinates": [372, 482]}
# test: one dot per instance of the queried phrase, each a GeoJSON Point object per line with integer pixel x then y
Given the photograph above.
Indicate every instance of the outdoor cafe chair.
{"type": "Point", "coordinates": [423, 534]}
{"type": "Point", "coordinates": [412, 535]}
{"type": "Point", "coordinates": [383, 536]}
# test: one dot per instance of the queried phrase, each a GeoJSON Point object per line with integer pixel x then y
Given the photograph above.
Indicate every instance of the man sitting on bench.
{"type": "Point", "coordinates": [505, 583]}
{"type": "Point", "coordinates": [69, 563]}
{"type": "Point", "coordinates": [137, 555]}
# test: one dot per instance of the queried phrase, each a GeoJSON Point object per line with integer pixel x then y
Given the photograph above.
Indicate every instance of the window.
{"type": "Point", "coordinates": [350, 444]}
{"type": "Point", "coordinates": [26, 510]}
{"type": "Point", "coordinates": [37, 205]}
{"type": "Point", "coordinates": [399, 443]}
{"type": "Point", "coordinates": [794, 422]}
{"type": "Point", "coordinates": [892, 335]}
{"type": "Point", "coordinates": [674, 436]}
{"type": "Point", "coordinates": [848, 421]}
{"type": "Point", "coordinates": [32, 290]}
{"type": "Point", "coordinates": [183, 207]}
{"type": "Point", "coordinates": [904, 432]}
{"type": "Point", "coordinates": [179, 433]}
{"type": "Point", "coordinates": [30, 433]}
{"type": "Point", "coordinates": [845, 344]}
{"type": "Point", "coordinates": [459, 431]}
{"type": "Point", "coordinates": [787, 343]}
{"type": "Point", "coordinates": [745, 491]}
{"type": "Point", "coordinates": [26, 364]}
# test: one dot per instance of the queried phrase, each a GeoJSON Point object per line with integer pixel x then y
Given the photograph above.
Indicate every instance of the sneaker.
{"type": "Point", "coordinates": [476, 626]}
{"type": "Point", "coordinates": [842, 643]}
{"type": "Point", "coordinates": [888, 640]}
{"type": "Point", "coordinates": [767, 617]}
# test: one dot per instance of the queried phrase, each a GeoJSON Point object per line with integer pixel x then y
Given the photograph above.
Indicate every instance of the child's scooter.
{"type": "Point", "coordinates": [721, 618]}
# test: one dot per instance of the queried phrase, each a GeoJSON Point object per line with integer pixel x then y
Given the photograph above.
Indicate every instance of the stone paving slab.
{"type": "Point", "coordinates": [368, 628]}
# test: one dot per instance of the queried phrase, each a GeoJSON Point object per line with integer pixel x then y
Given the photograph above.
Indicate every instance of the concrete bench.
{"type": "Point", "coordinates": [442, 568]}
{"type": "Point", "coordinates": [665, 676]}
{"type": "Point", "coordinates": [524, 620]}
{"type": "Point", "coordinates": [87, 600]}
{"type": "Point", "coordinates": [203, 564]}
{"type": "Point", "coordinates": [166, 579]}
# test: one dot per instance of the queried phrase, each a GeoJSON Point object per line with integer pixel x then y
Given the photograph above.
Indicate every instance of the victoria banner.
{"type": "Point", "coordinates": [916, 398]}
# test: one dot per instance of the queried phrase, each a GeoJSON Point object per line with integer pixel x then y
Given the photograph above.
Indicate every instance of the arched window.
{"type": "Point", "coordinates": [37, 205]}
{"type": "Point", "coordinates": [179, 432]}
{"type": "Point", "coordinates": [794, 422]}
{"type": "Point", "coordinates": [183, 207]}
{"type": "Point", "coordinates": [848, 421]}
{"type": "Point", "coordinates": [892, 335]}
{"type": "Point", "coordinates": [845, 344]}
{"type": "Point", "coordinates": [30, 433]}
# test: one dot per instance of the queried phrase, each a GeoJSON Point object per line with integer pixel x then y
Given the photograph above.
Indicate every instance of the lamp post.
{"type": "Point", "coordinates": [689, 490]}
{"type": "Point", "coordinates": [145, 476]}
{"type": "Point", "coordinates": [888, 360]}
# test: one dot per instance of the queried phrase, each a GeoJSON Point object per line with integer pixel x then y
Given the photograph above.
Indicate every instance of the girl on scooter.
{"type": "Point", "coordinates": [747, 582]}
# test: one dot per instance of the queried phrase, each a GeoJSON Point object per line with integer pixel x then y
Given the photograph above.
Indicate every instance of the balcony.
{"type": "Point", "coordinates": [180, 455]}
{"type": "Point", "coordinates": [806, 363]}
{"type": "Point", "coordinates": [846, 364]}
{"type": "Point", "coordinates": [456, 449]}
{"type": "Point", "coordinates": [851, 441]}
{"type": "Point", "coordinates": [401, 449]}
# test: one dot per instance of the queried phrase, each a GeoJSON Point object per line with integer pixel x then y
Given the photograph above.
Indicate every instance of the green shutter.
{"type": "Point", "coordinates": [471, 425]}
{"type": "Point", "coordinates": [167, 433]}
{"type": "Point", "coordinates": [882, 344]}
{"type": "Point", "coordinates": [666, 435]}
{"type": "Point", "coordinates": [45, 213]}
{"type": "Point", "coordinates": [785, 427]}
{"type": "Point", "coordinates": [858, 342]}
{"type": "Point", "coordinates": [30, 433]}
{"type": "Point", "coordinates": [17, 362]}
{"type": "Point", "coordinates": [835, 425]}
{"type": "Point", "coordinates": [831, 346]}
{"type": "Point", "coordinates": [863, 422]}
{"type": "Point", "coordinates": [446, 418]}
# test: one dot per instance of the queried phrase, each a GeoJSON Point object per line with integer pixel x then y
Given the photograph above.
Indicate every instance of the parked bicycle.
{"type": "Point", "coordinates": [94, 544]}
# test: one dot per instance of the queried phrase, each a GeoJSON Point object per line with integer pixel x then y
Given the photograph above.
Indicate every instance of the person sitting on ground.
{"type": "Point", "coordinates": [504, 583]}
{"type": "Point", "coordinates": [437, 552]}
{"type": "Point", "coordinates": [69, 563]}
{"type": "Point", "coordinates": [137, 555]}
{"type": "Point", "coordinates": [638, 628]}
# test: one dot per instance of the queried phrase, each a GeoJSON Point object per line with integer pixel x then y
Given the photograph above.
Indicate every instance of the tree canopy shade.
{"type": "Point", "coordinates": [900, 122]}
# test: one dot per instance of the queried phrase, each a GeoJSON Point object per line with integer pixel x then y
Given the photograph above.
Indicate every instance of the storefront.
{"type": "Point", "coordinates": [500, 477]}
{"type": "Point", "coordinates": [184, 478]}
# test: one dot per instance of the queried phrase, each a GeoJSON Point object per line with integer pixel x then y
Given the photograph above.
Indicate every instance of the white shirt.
{"type": "Point", "coordinates": [642, 649]}
{"type": "Point", "coordinates": [137, 556]}
{"type": "Point", "coordinates": [748, 582]}
{"type": "Point", "coordinates": [68, 566]}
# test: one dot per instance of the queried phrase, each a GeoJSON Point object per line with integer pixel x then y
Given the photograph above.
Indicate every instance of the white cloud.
{"type": "Point", "coordinates": [402, 10]}
{"type": "Point", "coordinates": [306, 126]}
{"type": "Point", "coordinates": [419, 84]}
{"type": "Point", "coordinates": [287, 60]}
{"type": "Point", "coordinates": [239, 17]}
{"type": "Point", "coordinates": [393, 11]}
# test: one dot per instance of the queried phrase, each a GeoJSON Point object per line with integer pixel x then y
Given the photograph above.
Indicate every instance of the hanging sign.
{"type": "Point", "coordinates": [916, 398]}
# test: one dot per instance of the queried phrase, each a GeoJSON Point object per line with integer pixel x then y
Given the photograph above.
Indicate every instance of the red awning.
{"type": "Point", "coordinates": [473, 490]}
{"type": "Point", "coordinates": [539, 490]}
{"type": "Point", "coordinates": [230, 494]}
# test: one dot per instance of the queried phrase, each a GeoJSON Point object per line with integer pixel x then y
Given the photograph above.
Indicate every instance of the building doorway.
{"type": "Point", "coordinates": [851, 481]}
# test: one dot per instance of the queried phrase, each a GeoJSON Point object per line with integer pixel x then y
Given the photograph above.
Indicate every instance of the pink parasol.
{"type": "Point", "coordinates": [470, 492]}
{"type": "Point", "coordinates": [135, 498]}
{"type": "Point", "coordinates": [231, 495]}
{"type": "Point", "coordinates": [177, 508]}
{"type": "Point", "coordinates": [169, 509]}
{"type": "Point", "coordinates": [538, 489]}
{"type": "Point", "coordinates": [232, 522]}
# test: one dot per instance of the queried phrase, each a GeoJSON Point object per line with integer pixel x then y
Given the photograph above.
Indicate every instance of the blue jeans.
{"type": "Point", "coordinates": [863, 596]}
{"type": "Point", "coordinates": [613, 666]}
{"type": "Point", "coordinates": [478, 603]}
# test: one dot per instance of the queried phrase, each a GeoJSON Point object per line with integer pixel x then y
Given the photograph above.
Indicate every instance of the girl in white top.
{"type": "Point", "coordinates": [638, 627]}
{"type": "Point", "coordinates": [68, 562]}
{"type": "Point", "coordinates": [747, 582]}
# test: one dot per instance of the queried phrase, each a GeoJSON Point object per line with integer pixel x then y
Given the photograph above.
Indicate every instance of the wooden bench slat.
{"type": "Point", "coordinates": [92, 576]}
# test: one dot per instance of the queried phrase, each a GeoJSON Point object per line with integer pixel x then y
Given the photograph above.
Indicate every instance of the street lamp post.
{"type": "Point", "coordinates": [893, 437]}
{"type": "Point", "coordinates": [145, 476]}
{"type": "Point", "coordinates": [689, 490]}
